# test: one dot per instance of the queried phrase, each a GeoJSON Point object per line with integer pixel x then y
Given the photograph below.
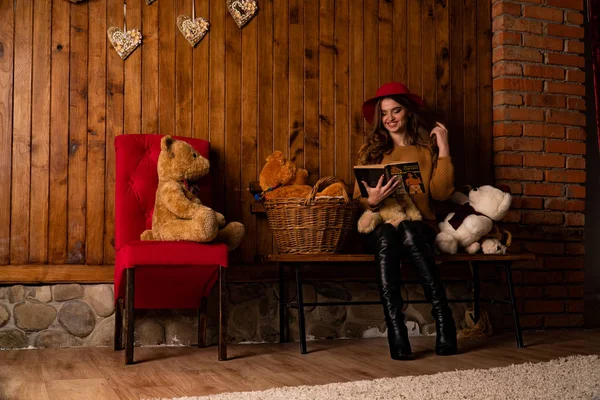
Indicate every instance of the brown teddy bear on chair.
{"type": "Point", "coordinates": [178, 212]}
{"type": "Point", "coordinates": [280, 178]}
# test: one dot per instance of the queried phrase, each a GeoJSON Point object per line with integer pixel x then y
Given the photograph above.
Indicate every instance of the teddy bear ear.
{"type": "Point", "coordinates": [277, 156]}
{"type": "Point", "coordinates": [166, 142]}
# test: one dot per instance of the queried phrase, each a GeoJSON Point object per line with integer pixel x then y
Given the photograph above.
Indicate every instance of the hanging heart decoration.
{"type": "Point", "coordinates": [124, 41]}
{"type": "Point", "coordinates": [242, 11]}
{"type": "Point", "coordinates": [148, 2]}
{"type": "Point", "coordinates": [192, 29]}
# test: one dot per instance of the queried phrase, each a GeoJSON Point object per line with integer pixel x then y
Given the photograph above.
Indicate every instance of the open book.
{"type": "Point", "coordinates": [409, 173]}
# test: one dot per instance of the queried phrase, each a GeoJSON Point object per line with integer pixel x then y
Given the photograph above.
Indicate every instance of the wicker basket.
{"type": "Point", "coordinates": [312, 225]}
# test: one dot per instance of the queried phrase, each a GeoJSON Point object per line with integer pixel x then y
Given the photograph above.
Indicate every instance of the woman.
{"type": "Point", "coordinates": [402, 132]}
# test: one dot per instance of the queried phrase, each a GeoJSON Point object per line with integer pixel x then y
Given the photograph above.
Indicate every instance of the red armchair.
{"type": "Point", "coordinates": [159, 274]}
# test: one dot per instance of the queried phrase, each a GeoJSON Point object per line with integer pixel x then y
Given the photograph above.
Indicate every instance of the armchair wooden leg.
{"type": "Point", "coordinates": [130, 317]}
{"type": "Point", "coordinates": [222, 313]}
{"type": "Point", "coordinates": [202, 323]}
{"type": "Point", "coordinates": [119, 325]}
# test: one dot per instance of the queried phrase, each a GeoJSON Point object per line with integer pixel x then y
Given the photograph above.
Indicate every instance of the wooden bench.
{"type": "Point", "coordinates": [298, 261]}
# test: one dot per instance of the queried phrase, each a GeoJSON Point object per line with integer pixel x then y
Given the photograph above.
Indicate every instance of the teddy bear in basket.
{"type": "Point", "coordinates": [178, 212]}
{"type": "Point", "coordinates": [281, 178]}
{"type": "Point", "coordinates": [472, 225]}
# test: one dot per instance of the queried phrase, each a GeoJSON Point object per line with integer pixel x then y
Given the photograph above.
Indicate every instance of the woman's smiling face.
{"type": "Point", "coordinates": [394, 116]}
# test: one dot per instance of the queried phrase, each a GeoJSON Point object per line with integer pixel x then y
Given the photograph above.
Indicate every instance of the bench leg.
{"type": "Point", "coordinates": [513, 301]}
{"type": "Point", "coordinates": [118, 342]}
{"type": "Point", "coordinates": [130, 315]}
{"type": "Point", "coordinates": [222, 313]}
{"type": "Point", "coordinates": [282, 305]}
{"type": "Point", "coordinates": [301, 323]}
{"type": "Point", "coordinates": [202, 323]}
{"type": "Point", "coordinates": [476, 292]}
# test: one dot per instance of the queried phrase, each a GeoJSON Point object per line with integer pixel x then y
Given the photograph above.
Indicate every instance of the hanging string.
{"type": "Point", "coordinates": [124, 16]}
{"type": "Point", "coordinates": [193, 10]}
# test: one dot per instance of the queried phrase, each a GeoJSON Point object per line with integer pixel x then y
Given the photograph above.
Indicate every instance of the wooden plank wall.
{"type": "Point", "coordinates": [292, 79]}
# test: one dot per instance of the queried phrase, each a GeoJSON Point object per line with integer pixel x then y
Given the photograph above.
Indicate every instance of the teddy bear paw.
{"type": "Point", "coordinates": [493, 246]}
{"type": "Point", "coordinates": [414, 214]}
{"type": "Point", "coordinates": [368, 221]}
{"type": "Point", "coordinates": [473, 248]}
{"type": "Point", "coordinates": [220, 220]}
{"type": "Point", "coordinates": [147, 235]}
{"type": "Point", "coordinates": [446, 243]}
{"type": "Point", "coordinates": [232, 235]}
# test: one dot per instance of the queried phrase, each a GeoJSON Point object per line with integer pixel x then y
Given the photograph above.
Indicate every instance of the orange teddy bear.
{"type": "Point", "coordinates": [280, 178]}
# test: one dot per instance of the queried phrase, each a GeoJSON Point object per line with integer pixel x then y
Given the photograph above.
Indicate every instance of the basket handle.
{"type": "Point", "coordinates": [323, 183]}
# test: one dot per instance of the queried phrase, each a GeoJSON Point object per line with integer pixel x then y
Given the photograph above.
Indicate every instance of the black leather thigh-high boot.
{"type": "Point", "coordinates": [417, 237]}
{"type": "Point", "coordinates": [384, 241]}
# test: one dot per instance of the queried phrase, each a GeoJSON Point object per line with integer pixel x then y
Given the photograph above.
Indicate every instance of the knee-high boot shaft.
{"type": "Point", "coordinates": [417, 239]}
{"type": "Point", "coordinates": [388, 251]}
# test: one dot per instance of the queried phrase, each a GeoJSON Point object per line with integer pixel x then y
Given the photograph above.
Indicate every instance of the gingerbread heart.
{"type": "Point", "coordinates": [242, 11]}
{"type": "Point", "coordinates": [124, 42]}
{"type": "Point", "coordinates": [192, 29]}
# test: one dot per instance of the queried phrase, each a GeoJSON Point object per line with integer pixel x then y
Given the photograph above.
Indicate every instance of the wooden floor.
{"type": "Point", "coordinates": [100, 373]}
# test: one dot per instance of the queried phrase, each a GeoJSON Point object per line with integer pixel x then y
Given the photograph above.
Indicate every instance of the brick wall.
{"type": "Point", "coordinates": [539, 147]}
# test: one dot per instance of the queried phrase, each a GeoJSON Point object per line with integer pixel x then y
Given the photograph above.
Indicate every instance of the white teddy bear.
{"type": "Point", "coordinates": [473, 220]}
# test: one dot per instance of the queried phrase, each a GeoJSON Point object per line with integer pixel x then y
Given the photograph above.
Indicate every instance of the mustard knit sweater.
{"type": "Point", "coordinates": [438, 181]}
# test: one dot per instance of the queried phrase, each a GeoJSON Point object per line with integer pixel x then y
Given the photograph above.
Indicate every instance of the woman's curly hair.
{"type": "Point", "coordinates": [379, 142]}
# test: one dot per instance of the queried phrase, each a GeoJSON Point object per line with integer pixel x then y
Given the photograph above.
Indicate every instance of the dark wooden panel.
{"type": "Point", "coordinates": [265, 108]}
{"type": "Point", "coordinates": [7, 15]}
{"type": "Point", "coordinates": [59, 134]}
{"type": "Point", "coordinates": [456, 125]}
{"type": "Point", "coordinates": [343, 165]}
{"type": "Point", "coordinates": [327, 52]}
{"type": "Point", "coordinates": [184, 75]}
{"type": "Point", "coordinates": [78, 113]}
{"type": "Point", "coordinates": [200, 83]}
{"type": "Point", "coordinates": [249, 147]}
{"type": "Point", "coordinates": [428, 53]}
{"type": "Point", "coordinates": [40, 132]}
{"type": "Point", "coordinates": [166, 66]}
{"type": "Point", "coordinates": [357, 93]}
{"type": "Point", "coordinates": [21, 140]}
{"type": "Point", "coordinates": [281, 136]}
{"type": "Point", "coordinates": [469, 58]}
{"type": "Point", "coordinates": [484, 107]}
{"type": "Point", "coordinates": [149, 68]}
{"type": "Point", "coordinates": [442, 61]}
{"type": "Point", "coordinates": [132, 119]}
{"type": "Point", "coordinates": [311, 90]}
{"type": "Point", "coordinates": [414, 12]}
{"type": "Point", "coordinates": [400, 41]}
{"type": "Point", "coordinates": [96, 139]}
{"type": "Point", "coordinates": [386, 41]}
{"type": "Point", "coordinates": [370, 52]}
{"type": "Point", "coordinates": [296, 82]}
{"type": "Point", "coordinates": [114, 127]}
{"type": "Point", "coordinates": [233, 124]}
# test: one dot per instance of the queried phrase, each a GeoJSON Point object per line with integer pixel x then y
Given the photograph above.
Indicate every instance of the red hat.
{"type": "Point", "coordinates": [389, 89]}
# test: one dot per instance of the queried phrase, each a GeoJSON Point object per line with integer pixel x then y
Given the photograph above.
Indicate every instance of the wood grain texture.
{"type": "Point", "coordinates": [265, 108]}
{"type": "Point", "coordinates": [78, 95]}
{"type": "Point", "coordinates": [96, 136]}
{"type": "Point", "coordinates": [293, 79]}
{"type": "Point", "coordinates": [40, 132]}
{"type": "Point", "coordinates": [21, 135]}
{"type": "Point", "coordinates": [168, 372]}
{"type": "Point", "coordinates": [7, 15]}
{"type": "Point", "coordinates": [149, 69]}
{"type": "Point", "coordinates": [59, 133]}
{"type": "Point", "coordinates": [132, 118]}
{"type": "Point", "coordinates": [249, 133]}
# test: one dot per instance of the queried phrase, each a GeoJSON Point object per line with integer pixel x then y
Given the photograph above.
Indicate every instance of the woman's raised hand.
{"type": "Point", "coordinates": [378, 193]}
{"type": "Point", "coordinates": [441, 137]}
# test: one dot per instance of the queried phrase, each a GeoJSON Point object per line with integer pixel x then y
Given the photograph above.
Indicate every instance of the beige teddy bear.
{"type": "Point", "coordinates": [179, 213]}
{"type": "Point", "coordinates": [394, 209]}
{"type": "Point", "coordinates": [281, 178]}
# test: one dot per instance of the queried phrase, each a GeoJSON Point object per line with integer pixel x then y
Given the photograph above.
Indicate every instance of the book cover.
{"type": "Point", "coordinates": [408, 172]}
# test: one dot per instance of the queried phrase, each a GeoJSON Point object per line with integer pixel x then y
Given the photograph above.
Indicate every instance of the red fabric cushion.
{"type": "Point", "coordinates": [168, 274]}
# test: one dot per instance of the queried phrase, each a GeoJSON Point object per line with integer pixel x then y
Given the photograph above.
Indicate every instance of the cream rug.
{"type": "Point", "coordinates": [575, 377]}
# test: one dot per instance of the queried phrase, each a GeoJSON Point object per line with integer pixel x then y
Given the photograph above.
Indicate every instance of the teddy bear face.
{"type": "Point", "coordinates": [490, 201]}
{"type": "Point", "coordinates": [179, 161]}
{"type": "Point", "coordinates": [278, 171]}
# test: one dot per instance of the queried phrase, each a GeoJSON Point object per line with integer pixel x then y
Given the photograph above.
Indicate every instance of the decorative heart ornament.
{"type": "Point", "coordinates": [192, 29]}
{"type": "Point", "coordinates": [242, 11]}
{"type": "Point", "coordinates": [124, 42]}
{"type": "Point", "coordinates": [148, 2]}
